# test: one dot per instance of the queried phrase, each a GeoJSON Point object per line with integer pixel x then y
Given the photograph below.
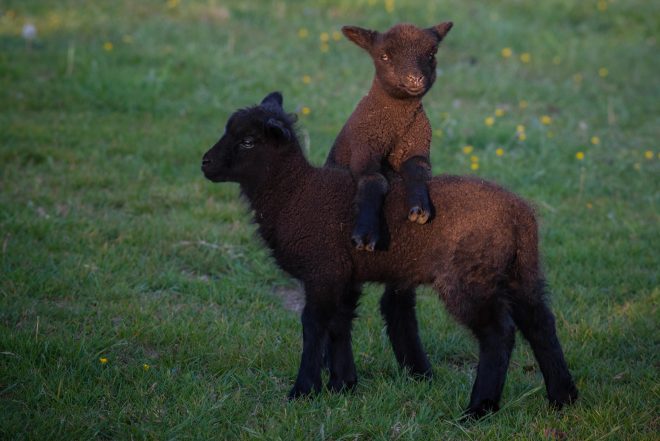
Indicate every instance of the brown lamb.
{"type": "Point", "coordinates": [389, 131]}
{"type": "Point", "coordinates": [480, 254]}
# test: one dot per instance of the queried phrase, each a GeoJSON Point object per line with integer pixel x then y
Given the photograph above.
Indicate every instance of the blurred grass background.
{"type": "Point", "coordinates": [135, 301]}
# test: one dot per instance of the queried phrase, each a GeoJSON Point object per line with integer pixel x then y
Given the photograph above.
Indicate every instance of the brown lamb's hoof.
{"type": "Point", "coordinates": [418, 215]}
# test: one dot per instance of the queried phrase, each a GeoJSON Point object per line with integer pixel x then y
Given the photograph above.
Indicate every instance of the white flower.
{"type": "Point", "coordinates": [29, 31]}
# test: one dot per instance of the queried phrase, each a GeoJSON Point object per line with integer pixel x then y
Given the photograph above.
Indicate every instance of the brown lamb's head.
{"type": "Point", "coordinates": [404, 56]}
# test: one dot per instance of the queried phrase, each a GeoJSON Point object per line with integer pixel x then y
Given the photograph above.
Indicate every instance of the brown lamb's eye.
{"type": "Point", "coordinates": [385, 57]}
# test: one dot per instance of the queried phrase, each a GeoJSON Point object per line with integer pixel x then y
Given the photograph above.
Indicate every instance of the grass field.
{"type": "Point", "coordinates": [136, 302]}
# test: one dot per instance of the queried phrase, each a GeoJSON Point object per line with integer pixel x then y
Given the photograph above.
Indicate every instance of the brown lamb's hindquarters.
{"type": "Point", "coordinates": [480, 254]}
{"type": "Point", "coordinates": [389, 130]}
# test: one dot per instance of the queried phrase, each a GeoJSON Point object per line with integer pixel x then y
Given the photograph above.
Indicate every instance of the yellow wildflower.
{"type": "Point", "coordinates": [306, 79]}
{"type": "Point", "coordinates": [499, 112]}
{"type": "Point", "coordinates": [389, 6]}
{"type": "Point", "coordinates": [468, 149]}
{"type": "Point", "coordinates": [579, 156]}
{"type": "Point", "coordinates": [303, 33]}
{"type": "Point", "coordinates": [525, 57]}
{"type": "Point", "coordinates": [590, 205]}
{"type": "Point", "coordinates": [171, 4]}
{"type": "Point", "coordinates": [336, 35]}
{"type": "Point", "coordinates": [507, 52]}
{"type": "Point", "coordinates": [474, 166]}
{"type": "Point", "coordinates": [145, 367]}
{"type": "Point", "coordinates": [474, 158]}
{"type": "Point", "coordinates": [648, 154]}
{"type": "Point", "coordinates": [499, 152]}
{"type": "Point", "coordinates": [603, 72]}
{"type": "Point", "coordinates": [306, 110]}
{"type": "Point", "coordinates": [546, 120]}
{"type": "Point", "coordinates": [595, 140]}
{"type": "Point", "coordinates": [522, 136]}
{"type": "Point", "coordinates": [520, 129]}
{"type": "Point", "coordinates": [489, 121]}
{"type": "Point", "coordinates": [103, 360]}
{"type": "Point", "coordinates": [523, 104]}
{"type": "Point", "coordinates": [108, 46]}
{"type": "Point", "coordinates": [324, 37]}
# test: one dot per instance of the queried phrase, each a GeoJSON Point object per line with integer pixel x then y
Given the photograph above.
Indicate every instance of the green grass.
{"type": "Point", "coordinates": [112, 245]}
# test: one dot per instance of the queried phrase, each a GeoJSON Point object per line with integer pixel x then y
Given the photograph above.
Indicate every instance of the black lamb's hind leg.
{"type": "Point", "coordinates": [416, 171]}
{"type": "Point", "coordinates": [495, 331]}
{"type": "Point", "coordinates": [398, 309]}
{"type": "Point", "coordinates": [537, 324]}
{"type": "Point", "coordinates": [369, 201]}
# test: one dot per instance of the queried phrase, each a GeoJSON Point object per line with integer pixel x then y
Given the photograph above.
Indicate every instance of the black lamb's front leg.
{"type": "Point", "coordinates": [314, 326]}
{"type": "Point", "coordinates": [416, 171]}
{"type": "Point", "coordinates": [369, 201]}
{"type": "Point", "coordinates": [326, 322]}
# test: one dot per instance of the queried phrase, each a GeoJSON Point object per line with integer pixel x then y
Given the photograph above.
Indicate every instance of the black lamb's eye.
{"type": "Point", "coordinates": [385, 57]}
{"type": "Point", "coordinates": [247, 143]}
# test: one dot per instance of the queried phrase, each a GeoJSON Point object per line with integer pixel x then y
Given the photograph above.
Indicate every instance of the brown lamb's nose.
{"type": "Point", "coordinates": [415, 81]}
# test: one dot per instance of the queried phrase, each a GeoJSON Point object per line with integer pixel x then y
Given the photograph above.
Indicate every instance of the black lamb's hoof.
{"type": "Point", "coordinates": [559, 399]}
{"type": "Point", "coordinates": [342, 386]}
{"type": "Point", "coordinates": [421, 374]}
{"type": "Point", "coordinates": [299, 391]}
{"type": "Point", "coordinates": [419, 215]}
{"type": "Point", "coordinates": [480, 410]}
{"type": "Point", "coordinates": [364, 240]}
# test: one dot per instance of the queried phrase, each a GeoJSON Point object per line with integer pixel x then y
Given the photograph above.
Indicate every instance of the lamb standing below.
{"type": "Point", "coordinates": [389, 128]}
{"type": "Point", "coordinates": [480, 254]}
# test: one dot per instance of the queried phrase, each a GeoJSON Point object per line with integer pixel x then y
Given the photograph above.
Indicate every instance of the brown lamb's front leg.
{"type": "Point", "coordinates": [371, 192]}
{"type": "Point", "coordinates": [415, 172]}
{"type": "Point", "coordinates": [411, 160]}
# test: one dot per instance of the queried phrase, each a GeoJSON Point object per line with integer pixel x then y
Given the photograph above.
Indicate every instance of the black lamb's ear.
{"type": "Point", "coordinates": [273, 99]}
{"type": "Point", "coordinates": [278, 129]}
{"type": "Point", "coordinates": [441, 30]}
{"type": "Point", "coordinates": [362, 37]}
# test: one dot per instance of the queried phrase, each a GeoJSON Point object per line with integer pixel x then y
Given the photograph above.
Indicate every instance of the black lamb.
{"type": "Point", "coordinates": [389, 132]}
{"type": "Point", "coordinates": [480, 254]}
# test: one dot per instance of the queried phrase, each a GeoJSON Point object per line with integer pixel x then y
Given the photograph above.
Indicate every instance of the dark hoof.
{"type": "Point", "coordinates": [422, 375]}
{"type": "Point", "coordinates": [568, 396]}
{"type": "Point", "coordinates": [480, 410]}
{"type": "Point", "coordinates": [337, 386]}
{"type": "Point", "coordinates": [364, 240]}
{"type": "Point", "coordinates": [418, 215]}
{"type": "Point", "coordinates": [300, 392]}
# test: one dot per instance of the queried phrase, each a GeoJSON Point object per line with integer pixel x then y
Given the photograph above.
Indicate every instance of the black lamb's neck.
{"type": "Point", "coordinates": [276, 185]}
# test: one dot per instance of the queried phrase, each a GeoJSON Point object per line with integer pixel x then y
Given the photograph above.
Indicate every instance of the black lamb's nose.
{"type": "Point", "coordinates": [205, 161]}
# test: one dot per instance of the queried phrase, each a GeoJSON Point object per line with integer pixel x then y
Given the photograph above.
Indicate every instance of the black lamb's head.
{"type": "Point", "coordinates": [253, 139]}
{"type": "Point", "coordinates": [404, 56]}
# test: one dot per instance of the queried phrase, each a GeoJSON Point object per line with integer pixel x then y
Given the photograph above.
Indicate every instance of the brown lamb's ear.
{"type": "Point", "coordinates": [360, 36]}
{"type": "Point", "coordinates": [441, 30]}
